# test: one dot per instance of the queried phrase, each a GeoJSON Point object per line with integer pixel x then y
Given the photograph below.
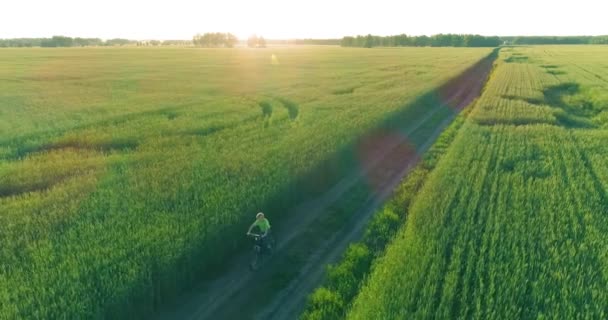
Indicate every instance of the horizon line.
{"type": "Point", "coordinates": [304, 38]}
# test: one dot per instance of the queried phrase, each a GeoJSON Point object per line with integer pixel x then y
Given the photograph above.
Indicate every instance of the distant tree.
{"type": "Point", "coordinates": [230, 40]}
{"type": "Point", "coordinates": [421, 41]}
{"type": "Point", "coordinates": [599, 40]}
{"type": "Point", "coordinates": [196, 40]}
{"type": "Point", "coordinates": [348, 42]}
{"type": "Point", "coordinates": [177, 43]}
{"type": "Point", "coordinates": [119, 42]}
{"type": "Point", "coordinates": [208, 39]}
{"type": "Point", "coordinates": [215, 40]}
{"type": "Point", "coordinates": [62, 41]}
{"type": "Point", "coordinates": [256, 42]}
{"type": "Point", "coordinates": [21, 42]}
{"type": "Point", "coordinates": [58, 41]}
{"type": "Point", "coordinates": [369, 41]}
{"type": "Point", "coordinates": [438, 40]}
{"type": "Point", "coordinates": [84, 42]}
{"type": "Point", "coordinates": [402, 40]}
{"type": "Point", "coordinates": [553, 40]}
{"type": "Point", "coordinates": [80, 42]}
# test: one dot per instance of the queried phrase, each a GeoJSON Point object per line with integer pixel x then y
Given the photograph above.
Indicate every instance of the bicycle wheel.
{"type": "Point", "coordinates": [256, 259]}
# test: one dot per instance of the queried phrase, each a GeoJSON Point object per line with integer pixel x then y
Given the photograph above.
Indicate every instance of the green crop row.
{"type": "Point", "coordinates": [511, 223]}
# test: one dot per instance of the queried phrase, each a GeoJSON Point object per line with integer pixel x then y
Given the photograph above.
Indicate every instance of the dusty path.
{"type": "Point", "coordinates": [241, 294]}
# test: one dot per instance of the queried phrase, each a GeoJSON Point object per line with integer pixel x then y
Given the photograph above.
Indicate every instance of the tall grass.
{"type": "Point", "coordinates": [128, 174]}
{"type": "Point", "coordinates": [510, 223]}
{"type": "Point", "coordinates": [343, 280]}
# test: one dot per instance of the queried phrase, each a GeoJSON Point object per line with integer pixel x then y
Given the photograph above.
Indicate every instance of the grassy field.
{"type": "Point", "coordinates": [512, 222]}
{"type": "Point", "coordinates": [127, 173]}
{"type": "Point", "coordinates": [343, 279]}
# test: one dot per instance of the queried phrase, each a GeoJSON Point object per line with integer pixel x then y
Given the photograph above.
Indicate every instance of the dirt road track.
{"type": "Point", "coordinates": [235, 294]}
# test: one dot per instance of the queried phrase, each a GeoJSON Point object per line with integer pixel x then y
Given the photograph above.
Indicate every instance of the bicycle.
{"type": "Point", "coordinates": [263, 247]}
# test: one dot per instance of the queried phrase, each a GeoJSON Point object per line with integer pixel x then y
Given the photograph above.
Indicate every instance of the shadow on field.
{"type": "Point", "coordinates": [346, 90]}
{"type": "Point", "coordinates": [552, 69]}
{"type": "Point", "coordinates": [266, 108]}
{"type": "Point", "coordinates": [556, 72]}
{"type": "Point", "coordinates": [575, 109]}
{"type": "Point", "coordinates": [517, 58]}
{"type": "Point", "coordinates": [9, 189]}
{"type": "Point", "coordinates": [530, 163]}
{"type": "Point", "coordinates": [532, 101]}
{"type": "Point", "coordinates": [572, 106]}
{"type": "Point", "coordinates": [337, 196]}
{"type": "Point", "coordinates": [24, 145]}
{"type": "Point", "coordinates": [293, 109]}
{"type": "Point", "coordinates": [451, 96]}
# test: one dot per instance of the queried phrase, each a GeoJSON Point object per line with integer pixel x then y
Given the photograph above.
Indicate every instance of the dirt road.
{"type": "Point", "coordinates": [279, 290]}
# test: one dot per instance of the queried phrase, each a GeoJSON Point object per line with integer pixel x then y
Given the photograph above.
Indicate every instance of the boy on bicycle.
{"type": "Point", "coordinates": [264, 225]}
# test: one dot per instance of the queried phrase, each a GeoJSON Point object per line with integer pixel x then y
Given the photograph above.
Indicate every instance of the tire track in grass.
{"type": "Point", "coordinates": [593, 226]}
{"type": "Point", "coordinates": [554, 244]}
{"type": "Point", "coordinates": [569, 162]}
{"type": "Point", "coordinates": [467, 277]}
{"type": "Point", "coordinates": [470, 213]}
{"type": "Point", "coordinates": [490, 243]}
{"type": "Point", "coordinates": [452, 272]}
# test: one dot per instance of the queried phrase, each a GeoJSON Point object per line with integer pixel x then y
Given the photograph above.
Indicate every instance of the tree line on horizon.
{"type": "Point", "coordinates": [229, 40]}
{"type": "Point", "coordinates": [209, 40]}
{"type": "Point", "coordinates": [215, 40]}
{"type": "Point", "coordinates": [438, 40]}
{"type": "Point", "coordinates": [62, 41]}
{"type": "Point", "coordinates": [464, 40]}
{"type": "Point", "coordinates": [225, 40]}
{"type": "Point", "coordinates": [531, 40]}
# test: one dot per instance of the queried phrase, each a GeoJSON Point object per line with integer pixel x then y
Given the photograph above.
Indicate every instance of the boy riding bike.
{"type": "Point", "coordinates": [263, 225]}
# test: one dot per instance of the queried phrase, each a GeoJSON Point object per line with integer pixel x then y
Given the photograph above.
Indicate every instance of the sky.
{"type": "Point", "coordinates": [287, 19]}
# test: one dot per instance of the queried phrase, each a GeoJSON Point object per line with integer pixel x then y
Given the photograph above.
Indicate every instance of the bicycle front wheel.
{"type": "Point", "coordinates": [256, 260]}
